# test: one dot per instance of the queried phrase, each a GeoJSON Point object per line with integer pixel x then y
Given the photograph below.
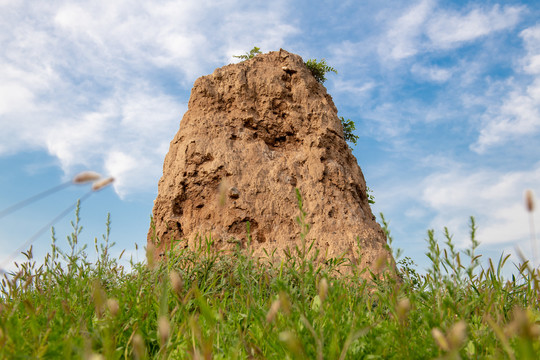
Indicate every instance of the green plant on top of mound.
{"type": "Point", "coordinates": [249, 55]}
{"type": "Point", "coordinates": [319, 69]}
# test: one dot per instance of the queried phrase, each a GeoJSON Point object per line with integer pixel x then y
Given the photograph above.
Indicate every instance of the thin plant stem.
{"type": "Point", "coordinates": [533, 240]}
{"type": "Point", "coordinates": [32, 199]}
{"type": "Point", "coordinates": [43, 229]}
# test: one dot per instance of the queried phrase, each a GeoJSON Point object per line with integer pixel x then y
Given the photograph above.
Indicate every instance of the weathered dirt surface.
{"type": "Point", "coordinates": [253, 133]}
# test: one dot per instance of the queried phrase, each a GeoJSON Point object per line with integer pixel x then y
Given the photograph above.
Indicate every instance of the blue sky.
{"type": "Point", "coordinates": [445, 96]}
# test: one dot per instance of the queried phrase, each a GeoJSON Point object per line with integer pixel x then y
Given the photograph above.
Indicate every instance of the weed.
{"type": "Point", "coordinates": [319, 69]}
{"type": "Point", "coordinates": [249, 55]}
{"type": "Point", "coordinates": [348, 127]}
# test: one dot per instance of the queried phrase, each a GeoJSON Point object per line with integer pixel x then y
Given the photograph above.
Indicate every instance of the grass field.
{"type": "Point", "coordinates": [204, 304]}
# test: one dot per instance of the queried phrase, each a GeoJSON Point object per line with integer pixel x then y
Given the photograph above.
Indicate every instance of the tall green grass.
{"type": "Point", "coordinates": [202, 303]}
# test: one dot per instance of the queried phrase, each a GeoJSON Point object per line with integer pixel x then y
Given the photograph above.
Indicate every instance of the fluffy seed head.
{"type": "Point", "coordinates": [284, 302]}
{"type": "Point", "coordinates": [529, 200]}
{"type": "Point", "coordinates": [457, 334]}
{"type": "Point", "coordinates": [176, 282]}
{"type": "Point", "coordinates": [86, 176]}
{"type": "Point", "coordinates": [99, 297]}
{"type": "Point", "coordinates": [113, 306]}
{"type": "Point", "coordinates": [380, 263]}
{"type": "Point", "coordinates": [274, 308]}
{"type": "Point", "coordinates": [291, 341]}
{"type": "Point", "coordinates": [323, 289]}
{"type": "Point", "coordinates": [164, 329]}
{"type": "Point", "coordinates": [138, 346]}
{"type": "Point", "coordinates": [100, 184]}
{"type": "Point", "coordinates": [440, 339]}
{"type": "Point", "coordinates": [402, 309]}
{"type": "Point", "coordinates": [150, 251]}
{"type": "Point", "coordinates": [524, 324]}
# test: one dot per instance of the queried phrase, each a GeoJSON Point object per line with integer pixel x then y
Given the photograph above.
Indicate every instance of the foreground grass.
{"type": "Point", "coordinates": [205, 304]}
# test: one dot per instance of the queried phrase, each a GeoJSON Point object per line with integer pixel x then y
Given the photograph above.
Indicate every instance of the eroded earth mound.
{"type": "Point", "coordinates": [253, 133]}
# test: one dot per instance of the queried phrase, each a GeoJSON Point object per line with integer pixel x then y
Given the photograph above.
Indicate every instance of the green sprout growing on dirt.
{"type": "Point", "coordinates": [249, 55]}
{"type": "Point", "coordinates": [370, 197]}
{"type": "Point", "coordinates": [348, 127]}
{"type": "Point", "coordinates": [319, 69]}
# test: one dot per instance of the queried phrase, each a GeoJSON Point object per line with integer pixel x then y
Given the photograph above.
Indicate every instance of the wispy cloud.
{"type": "Point", "coordinates": [517, 113]}
{"type": "Point", "coordinates": [435, 74]}
{"type": "Point", "coordinates": [420, 71]}
{"type": "Point", "coordinates": [104, 84]}
{"type": "Point", "coordinates": [495, 198]}
{"type": "Point", "coordinates": [531, 38]}
{"type": "Point", "coordinates": [448, 29]}
{"type": "Point", "coordinates": [352, 88]}
{"type": "Point", "coordinates": [128, 135]}
{"type": "Point", "coordinates": [449, 79]}
{"type": "Point", "coordinates": [402, 39]}
{"type": "Point", "coordinates": [426, 27]}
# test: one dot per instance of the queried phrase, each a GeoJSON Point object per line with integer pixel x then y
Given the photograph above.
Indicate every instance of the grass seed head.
{"type": "Point", "coordinates": [323, 289]}
{"type": "Point", "coordinates": [113, 306]}
{"type": "Point", "coordinates": [457, 334]}
{"type": "Point", "coordinates": [440, 339]}
{"type": "Point", "coordinates": [292, 342]}
{"type": "Point", "coordinates": [86, 176]}
{"type": "Point", "coordinates": [100, 184]}
{"type": "Point", "coordinates": [274, 308]}
{"type": "Point", "coordinates": [529, 200]}
{"type": "Point", "coordinates": [403, 307]}
{"type": "Point", "coordinates": [380, 263]}
{"type": "Point", "coordinates": [524, 324]}
{"type": "Point", "coordinates": [284, 302]}
{"type": "Point", "coordinates": [99, 297]}
{"type": "Point", "coordinates": [164, 329]}
{"type": "Point", "coordinates": [150, 251]}
{"type": "Point", "coordinates": [176, 282]}
{"type": "Point", "coordinates": [139, 351]}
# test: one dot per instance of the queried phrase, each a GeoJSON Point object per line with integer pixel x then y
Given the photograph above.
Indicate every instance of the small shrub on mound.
{"type": "Point", "coordinates": [249, 55]}
{"type": "Point", "coordinates": [319, 69]}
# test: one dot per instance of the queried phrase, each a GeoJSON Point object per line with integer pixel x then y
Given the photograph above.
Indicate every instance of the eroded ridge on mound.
{"type": "Point", "coordinates": [253, 133]}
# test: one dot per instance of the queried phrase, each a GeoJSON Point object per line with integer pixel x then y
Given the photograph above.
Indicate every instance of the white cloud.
{"type": "Point", "coordinates": [495, 198]}
{"type": "Point", "coordinates": [402, 39]}
{"type": "Point", "coordinates": [14, 97]}
{"type": "Point", "coordinates": [432, 73]}
{"type": "Point", "coordinates": [123, 166]}
{"type": "Point", "coordinates": [241, 29]}
{"type": "Point", "coordinates": [517, 114]}
{"type": "Point", "coordinates": [93, 82]}
{"type": "Point", "coordinates": [531, 39]}
{"type": "Point", "coordinates": [353, 88]}
{"type": "Point", "coordinates": [449, 29]}
{"type": "Point", "coordinates": [427, 27]}
{"type": "Point", "coordinates": [78, 141]}
{"type": "Point", "coordinates": [128, 135]}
